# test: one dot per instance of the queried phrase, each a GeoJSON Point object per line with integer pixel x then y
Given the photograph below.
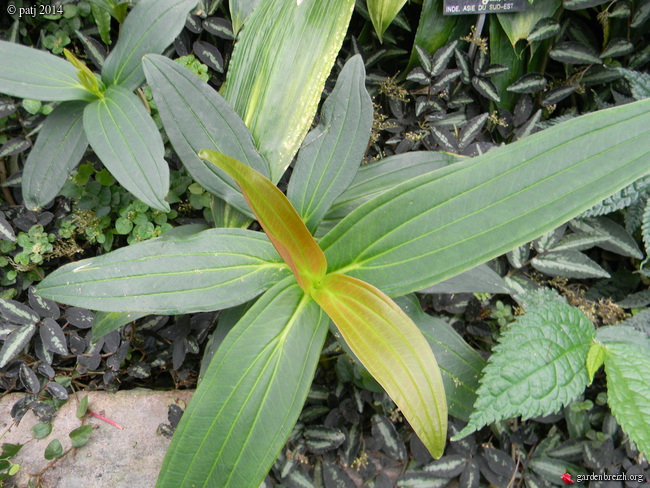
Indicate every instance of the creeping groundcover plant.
{"type": "Point", "coordinates": [410, 221]}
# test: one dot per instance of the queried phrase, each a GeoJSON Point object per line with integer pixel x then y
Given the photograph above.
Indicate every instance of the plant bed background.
{"type": "Point", "coordinates": [350, 433]}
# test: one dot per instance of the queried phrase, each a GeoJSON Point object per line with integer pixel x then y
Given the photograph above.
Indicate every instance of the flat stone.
{"type": "Point", "coordinates": [113, 458]}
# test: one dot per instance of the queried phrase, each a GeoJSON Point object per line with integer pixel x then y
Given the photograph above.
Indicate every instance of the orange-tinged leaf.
{"type": "Point", "coordinates": [393, 350]}
{"type": "Point", "coordinates": [278, 218]}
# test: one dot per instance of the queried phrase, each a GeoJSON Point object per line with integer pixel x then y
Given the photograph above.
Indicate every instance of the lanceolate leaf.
{"type": "Point", "coordinates": [15, 342]}
{"type": "Point", "coordinates": [150, 27]}
{"type": "Point", "coordinates": [278, 218]}
{"type": "Point", "coordinates": [538, 366]}
{"type": "Point", "coordinates": [382, 13]}
{"type": "Point", "coordinates": [520, 25]}
{"type": "Point", "coordinates": [60, 145]}
{"type": "Point", "coordinates": [107, 322]}
{"type": "Point", "coordinates": [331, 153]}
{"type": "Point", "coordinates": [196, 117]}
{"type": "Point", "coordinates": [210, 270]}
{"type": "Point", "coordinates": [374, 178]}
{"type": "Point", "coordinates": [283, 38]}
{"type": "Point", "coordinates": [452, 219]}
{"type": "Point", "coordinates": [39, 75]}
{"type": "Point", "coordinates": [251, 395]}
{"type": "Point", "coordinates": [460, 364]}
{"type": "Point", "coordinates": [239, 10]}
{"type": "Point", "coordinates": [127, 141]}
{"type": "Point", "coordinates": [628, 368]}
{"type": "Point", "coordinates": [392, 349]}
{"type": "Point", "coordinates": [476, 280]}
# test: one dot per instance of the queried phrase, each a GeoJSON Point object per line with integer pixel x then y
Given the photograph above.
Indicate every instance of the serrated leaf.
{"type": "Point", "coordinates": [595, 359]}
{"type": "Point", "coordinates": [394, 351]}
{"type": "Point", "coordinates": [150, 27]}
{"type": "Point", "coordinates": [570, 264]}
{"type": "Point", "coordinates": [273, 44]}
{"type": "Point", "coordinates": [457, 217]}
{"type": "Point", "coordinates": [17, 313]}
{"type": "Point", "coordinates": [259, 377]}
{"type": "Point", "coordinates": [615, 237]}
{"type": "Point", "coordinates": [196, 117]}
{"type": "Point", "coordinates": [486, 88]}
{"type": "Point", "coordinates": [329, 157]}
{"type": "Point", "coordinates": [278, 218]}
{"type": "Point", "coordinates": [382, 13]}
{"type": "Point", "coordinates": [572, 52]}
{"type": "Point", "coordinates": [639, 82]}
{"type": "Point", "coordinates": [537, 367]}
{"type": "Point", "coordinates": [60, 145]}
{"type": "Point", "coordinates": [529, 83]}
{"type": "Point", "coordinates": [53, 337]}
{"type": "Point", "coordinates": [38, 75]}
{"type": "Point", "coordinates": [628, 393]}
{"type": "Point", "coordinates": [128, 142]}
{"type": "Point", "coordinates": [209, 270]}
{"type": "Point", "coordinates": [557, 94]}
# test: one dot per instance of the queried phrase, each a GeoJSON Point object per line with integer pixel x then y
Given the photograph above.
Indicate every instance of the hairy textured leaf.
{"type": "Point", "coordinates": [127, 141]}
{"type": "Point", "coordinates": [457, 217]}
{"type": "Point", "coordinates": [382, 13]}
{"type": "Point", "coordinates": [628, 393]}
{"type": "Point", "coordinates": [60, 145]}
{"type": "Point", "coordinates": [151, 26]}
{"type": "Point", "coordinates": [277, 108]}
{"type": "Point", "coordinates": [251, 395]}
{"type": "Point", "coordinates": [639, 82]}
{"type": "Point", "coordinates": [331, 153]}
{"type": "Point", "coordinates": [39, 75]}
{"type": "Point", "coordinates": [392, 349]}
{"type": "Point", "coordinates": [460, 365]}
{"type": "Point", "coordinates": [196, 117]}
{"type": "Point", "coordinates": [210, 270]}
{"type": "Point", "coordinates": [538, 367]}
{"type": "Point", "coordinates": [278, 218]}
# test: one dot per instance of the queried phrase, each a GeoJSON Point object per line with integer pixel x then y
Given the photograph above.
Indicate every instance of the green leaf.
{"type": "Point", "coordinates": [331, 153]}
{"type": "Point", "coordinates": [81, 435]}
{"type": "Point", "coordinates": [41, 430]}
{"type": "Point", "coordinates": [382, 13]}
{"type": "Point", "coordinates": [151, 26]}
{"type": "Point", "coordinates": [628, 393]}
{"type": "Point", "coordinates": [573, 52]}
{"type": "Point", "coordinates": [53, 450]}
{"type": "Point", "coordinates": [82, 407]}
{"type": "Point", "coordinates": [196, 117]}
{"type": "Point", "coordinates": [38, 75]}
{"type": "Point", "coordinates": [127, 141]}
{"type": "Point", "coordinates": [210, 270]}
{"type": "Point", "coordinates": [103, 20]}
{"type": "Point", "coordinates": [639, 82]}
{"type": "Point", "coordinates": [239, 10]}
{"type": "Point", "coordinates": [460, 365]}
{"type": "Point", "coordinates": [392, 349]}
{"type": "Point", "coordinates": [595, 359]}
{"type": "Point", "coordinates": [10, 450]}
{"type": "Point", "coordinates": [15, 342]}
{"type": "Point", "coordinates": [278, 218]}
{"type": "Point", "coordinates": [251, 395]}
{"type": "Point", "coordinates": [519, 25]}
{"type": "Point", "coordinates": [537, 368]}
{"type": "Point", "coordinates": [60, 145]}
{"type": "Point", "coordinates": [571, 264]}
{"type": "Point", "coordinates": [106, 322]}
{"type": "Point", "coordinates": [272, 83]}
{"type": "Point", "coordinates": [614, 237]}
{"type": "Point", "coordinates": [457, 217]}
{"type": "Point", "coordinates": [373, 179]}
{"type": "Point", "coordinates": [476, 280]}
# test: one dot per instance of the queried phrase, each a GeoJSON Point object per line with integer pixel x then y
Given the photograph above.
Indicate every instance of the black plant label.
{"type": "Point", "coordinates": [473, 7]}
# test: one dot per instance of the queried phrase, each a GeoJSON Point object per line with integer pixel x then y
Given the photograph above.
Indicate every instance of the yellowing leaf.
{"type": "Point", "coordinates": [278, 218]}
{"type": "Point", "coordinates": [393, 350]}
